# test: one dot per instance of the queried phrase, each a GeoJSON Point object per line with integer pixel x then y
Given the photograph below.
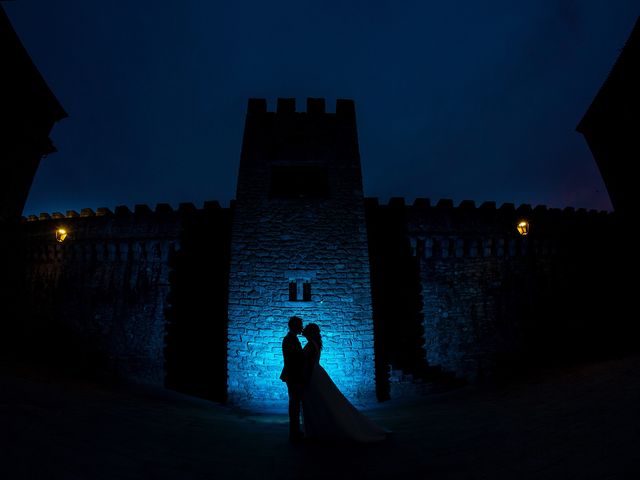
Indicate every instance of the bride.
{"type": "Point", "coordinates": [326, 412]}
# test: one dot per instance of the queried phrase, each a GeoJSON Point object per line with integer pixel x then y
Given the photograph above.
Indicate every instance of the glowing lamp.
{"type": "Point", "coordinates": [523, 227]}
{"type": "Point", "coordinates": [61, 234]}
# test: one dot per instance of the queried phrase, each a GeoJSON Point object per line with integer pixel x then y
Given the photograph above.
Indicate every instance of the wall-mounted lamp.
{"type": "Point", "coordinates": [523, 227]}
{"type": "Point", "coordinates": [61, 234]}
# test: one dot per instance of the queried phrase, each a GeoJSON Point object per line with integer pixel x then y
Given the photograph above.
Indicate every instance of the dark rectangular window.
{"type": "Point", "coordinates": [293, 291]}
{"type": "Point", "coordinates": [306, 292]}
{"type": "Point", "coordinates": [299, 181]}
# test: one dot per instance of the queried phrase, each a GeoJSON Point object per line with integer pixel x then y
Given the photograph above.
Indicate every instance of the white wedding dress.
{"type": "Point", "coordinates": [326, 411]}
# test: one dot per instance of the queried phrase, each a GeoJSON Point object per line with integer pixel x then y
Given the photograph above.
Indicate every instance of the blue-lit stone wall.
{"type": "Point", "coordinates": [319, 239]}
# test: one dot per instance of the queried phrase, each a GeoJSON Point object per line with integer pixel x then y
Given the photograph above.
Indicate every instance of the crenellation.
{"type": "Point", "coordinates": [540, 209]}
{"type": "Point", "coordinates": [104, 212]}
{"type": "Point", "coordinates": [345, 108]}
{"type": "Point", "coordinates": [123, 211]}
{"type": "Point", "coordinates": [141, 212]}
{"type": "Point", "coordinates": [256, 106]}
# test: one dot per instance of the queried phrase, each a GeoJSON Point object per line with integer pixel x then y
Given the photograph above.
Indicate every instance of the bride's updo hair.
{"type": "Point", "coordinates": [312, 332]}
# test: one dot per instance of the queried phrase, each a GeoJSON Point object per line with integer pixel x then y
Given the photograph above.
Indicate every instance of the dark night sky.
{"type": "Point", "coordinates": [460, 99]}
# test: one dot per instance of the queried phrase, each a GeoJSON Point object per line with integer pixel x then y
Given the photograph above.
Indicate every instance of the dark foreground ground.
{"type": "Point", "coordinates": [576, 422]}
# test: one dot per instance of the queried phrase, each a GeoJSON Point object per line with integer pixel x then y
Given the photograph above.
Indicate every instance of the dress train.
{"type": "Point", "coordinates": [327, 413]}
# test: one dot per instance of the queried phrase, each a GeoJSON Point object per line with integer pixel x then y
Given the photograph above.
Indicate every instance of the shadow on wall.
{"type": "Point", "coordinates": [585, 308]}
{"type": "Point", "coordinates": [11, 268]}
{"type": "Point", "coordinates": [34, 331]}
{"type": "Point", "coordinates": [396, 299]}
{"type": "Point", "coordinates": [196, 328]}
{"type": "Point", "coordinates": [496, 314]}
{"type": "Point", "coordinates": [577, 307]}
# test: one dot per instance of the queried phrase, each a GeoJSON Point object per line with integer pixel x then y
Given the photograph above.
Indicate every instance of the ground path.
{"type": "Point", "coordinates": [576, 422]}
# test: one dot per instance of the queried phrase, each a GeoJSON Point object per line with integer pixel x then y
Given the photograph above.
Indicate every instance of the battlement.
{"type": "Point", "coordinates": [442, 229]}
{"type": "Point", "coordinates": [140, 211]}
{"type": "Point", "coordinates": [447, 204]}
{"type": "Point", "coordinates": [443, 208]}
{"type": "Point", "coordinates": [314, 106]}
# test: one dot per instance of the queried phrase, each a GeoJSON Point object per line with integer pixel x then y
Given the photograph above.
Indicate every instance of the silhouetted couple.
{"type": "Point", "coordinates": [327, 413]}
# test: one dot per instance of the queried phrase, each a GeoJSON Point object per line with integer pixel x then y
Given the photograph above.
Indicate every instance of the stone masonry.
{"type": "Point", "coordinates": [99, 297]}
{"type": "Point", "coordinates": [299, 247]}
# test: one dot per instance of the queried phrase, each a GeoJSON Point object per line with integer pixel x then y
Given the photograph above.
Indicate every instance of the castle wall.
{"type": "Point", "coordinates": [97, 299]}
{"type": "Point", "coordinates": [493, 299]}
{"type": "Point", "coordinates": [199, 299]}
{"type": "Point", "coordinates": [281, 242]}
{"type": "Point", "coordinates": [143, 295]}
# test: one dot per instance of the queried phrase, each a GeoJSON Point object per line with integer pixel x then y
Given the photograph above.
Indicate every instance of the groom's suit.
{"type": "Point", "coordinates": [292, 374]}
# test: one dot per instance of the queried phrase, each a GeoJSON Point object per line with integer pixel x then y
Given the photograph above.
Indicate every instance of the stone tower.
{"type": "Point", "coordinates": [299, 247]}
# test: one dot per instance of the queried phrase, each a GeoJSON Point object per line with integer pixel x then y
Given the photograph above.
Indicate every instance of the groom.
{"type": "Point", "coordinates": [292, 374]}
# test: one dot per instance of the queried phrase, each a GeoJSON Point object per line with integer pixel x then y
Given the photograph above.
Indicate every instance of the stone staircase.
{"type": "Point", "coordinates": [432, 380]}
